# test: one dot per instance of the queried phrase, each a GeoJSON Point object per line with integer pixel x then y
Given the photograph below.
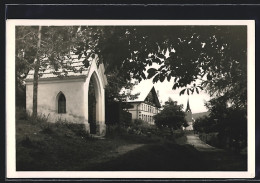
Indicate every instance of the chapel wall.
{"type": "Point", "coordinates": [47, 100]}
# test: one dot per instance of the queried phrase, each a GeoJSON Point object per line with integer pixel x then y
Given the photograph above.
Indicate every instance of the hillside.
{"type": "Point", "coordinates": [199, 115]}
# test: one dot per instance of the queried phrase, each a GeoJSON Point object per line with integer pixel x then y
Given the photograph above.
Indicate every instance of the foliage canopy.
{"type": "Point", "coordinates": [215, 55]}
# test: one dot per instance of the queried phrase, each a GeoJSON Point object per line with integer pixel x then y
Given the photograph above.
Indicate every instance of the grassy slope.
{"type": "Point", "coordinates": [61, 147]}
{"type": "Point", "coordinates": [44, 146]}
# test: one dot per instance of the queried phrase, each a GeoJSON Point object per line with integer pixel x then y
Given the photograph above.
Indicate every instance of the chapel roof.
{"type": "Point", "coordinates": [77, 68]}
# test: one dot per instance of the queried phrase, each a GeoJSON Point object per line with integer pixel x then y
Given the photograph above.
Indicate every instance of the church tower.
{"type": "Point", "coordinates": [188, 112]}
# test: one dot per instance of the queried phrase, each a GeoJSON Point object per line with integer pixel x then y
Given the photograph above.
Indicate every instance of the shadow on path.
{"type": "Point", "coordinates": [195, 155]}
{"type": "Point", "coordinates": [217, 159]}
{"type": "Point", "coordinates": [195, 141]}
{"type": "Point", "coordinates": [121, 150]}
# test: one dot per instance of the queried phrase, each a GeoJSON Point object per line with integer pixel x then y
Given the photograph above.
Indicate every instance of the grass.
{"type": "Point", "coordinates": [64, 146]}
{"type": "Point", "coordinates": [57, 146]}
{"type": "Point", "coordinates": [52, 146]}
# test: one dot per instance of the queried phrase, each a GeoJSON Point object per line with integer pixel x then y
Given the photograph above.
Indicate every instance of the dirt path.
{"type": "Point", "coordinates": [217, 159]}
{"type": "Point", "coordinates": [121, 150]}
{"type": "Point", "coordinates": [195, 141]}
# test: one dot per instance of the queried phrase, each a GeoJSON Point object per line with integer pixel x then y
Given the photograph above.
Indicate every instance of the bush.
{"type": "Point", "coordinates": [22, 114]}
{"type": "Point", "coordinates": [137, 122]}
{"type": "Point", "coordinates": [76, 128]}
{"type": "Point", "coordinates": [40, 118]}
{"type": "Point", "coordinates": [142, 132]}
{"type": "Point", "coordinates": [115, 130]}
{"type": "Point", "coordinates": [211, 139]}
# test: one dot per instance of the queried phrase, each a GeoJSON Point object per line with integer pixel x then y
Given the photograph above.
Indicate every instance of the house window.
{"type": "Point", "coordinates": [61, 103]}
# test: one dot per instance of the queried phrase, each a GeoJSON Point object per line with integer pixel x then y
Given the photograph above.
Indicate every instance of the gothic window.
{"type": "Point", "coordinates": [61, 103]}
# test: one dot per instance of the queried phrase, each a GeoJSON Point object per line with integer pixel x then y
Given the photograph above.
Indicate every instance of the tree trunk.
{"type": "Point", "coordinates": [36, 76]}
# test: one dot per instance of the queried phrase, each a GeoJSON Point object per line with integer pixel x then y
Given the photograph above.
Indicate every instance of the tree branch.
{"type": "Point", "coordinates": [24, 36]}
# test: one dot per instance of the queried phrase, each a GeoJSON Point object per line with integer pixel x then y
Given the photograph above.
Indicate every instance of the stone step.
{"type": "Point", "coordinates": [97, 136]}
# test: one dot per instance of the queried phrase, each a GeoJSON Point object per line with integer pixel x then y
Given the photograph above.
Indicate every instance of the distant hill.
{"type": "Point", "coordinates": [199, 115]}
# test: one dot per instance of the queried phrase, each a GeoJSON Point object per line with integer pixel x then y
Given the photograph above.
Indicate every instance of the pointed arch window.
{"type": "Point", "coordinates": [61, 103]}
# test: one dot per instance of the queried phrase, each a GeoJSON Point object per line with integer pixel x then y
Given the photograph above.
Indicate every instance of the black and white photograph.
{"type": "Point", "coordinates": [100, 98]}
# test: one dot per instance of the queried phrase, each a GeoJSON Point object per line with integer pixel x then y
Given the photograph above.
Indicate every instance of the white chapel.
{"type": "Point", "coordinates": [66, 97]}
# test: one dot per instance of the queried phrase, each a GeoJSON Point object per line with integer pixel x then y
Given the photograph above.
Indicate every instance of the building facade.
{"type": "Point", "coordinates": [67, 98]}
{"type": "Point", "coordinates": [145, 106]}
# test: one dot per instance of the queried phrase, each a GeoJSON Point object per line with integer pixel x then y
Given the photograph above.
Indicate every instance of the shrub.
{"type": "Point", "coordinates": [115, 130]}
{"type": "Point", "coordinates": [137, 122]}
{"type": "Point", "coordinates": [76, 128]}
{"type": "Point", "coordinates": [40, 118]}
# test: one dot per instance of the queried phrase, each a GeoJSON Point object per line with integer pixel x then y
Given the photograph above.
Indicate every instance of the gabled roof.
{"type": "Point", "coordinates": [77, 68]}
{"type": "Point", "coordinates": [144, 91]}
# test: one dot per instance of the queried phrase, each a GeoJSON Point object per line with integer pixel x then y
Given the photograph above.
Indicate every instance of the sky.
{"type": "Point", "coordinates": [165, 91]}
{"type": "Point", "coordinates": [197, 101]}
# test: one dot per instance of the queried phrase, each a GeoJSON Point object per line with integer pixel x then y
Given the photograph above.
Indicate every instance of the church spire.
{"type": "Point", "coordinates": [188, 106]}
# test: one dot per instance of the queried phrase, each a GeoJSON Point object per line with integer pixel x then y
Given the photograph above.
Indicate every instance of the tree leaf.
{"type": "Point", "coordinates": [151, 73]}
{"type": "Point", "coordinates": [80, 55]}
{"type": "Point", "coordinates": [168, 77]}
{"type": "Point", "coordinates": [209, 77]}
{"type": "Point", "coordinates": [197, 90]}
{"type": "Point", "coordinates": [182, 91]}
{"type": "Point", "coordinates": [161, 56]}
{"type": "Point", "coordinates": [162, 77]}
{"type": "Point", "coordinates": [175, 86]}
{"type": "Point", "coordinates": [200, 87]}
{"type": "Point", "coordinates": [86, 63]}
{"type": "Point", "coordinates": [143, 75]}
{"type": "Point", "coordinates": [156, 78]}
